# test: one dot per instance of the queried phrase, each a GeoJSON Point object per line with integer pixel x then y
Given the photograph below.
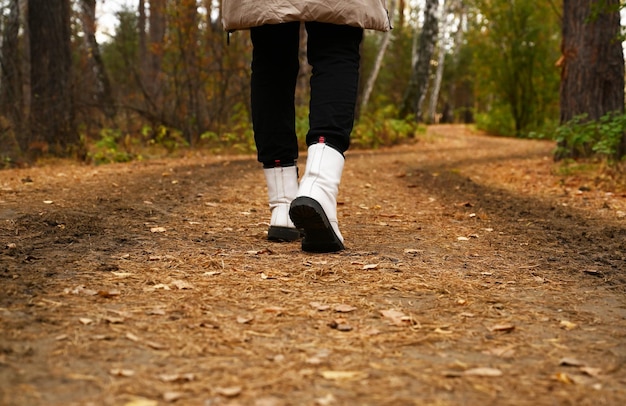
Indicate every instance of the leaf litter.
{"type": "Point", "coordinates": [187, 316]}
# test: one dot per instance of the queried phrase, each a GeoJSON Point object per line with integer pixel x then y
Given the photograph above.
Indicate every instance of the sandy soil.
{"type": "Point", "coordinates": [474, 274]}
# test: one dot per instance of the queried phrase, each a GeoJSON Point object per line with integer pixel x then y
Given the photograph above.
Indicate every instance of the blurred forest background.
{"type": "Point", "coordinates": [165, 77]}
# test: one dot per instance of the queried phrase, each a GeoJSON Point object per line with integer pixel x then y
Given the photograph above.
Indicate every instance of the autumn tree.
{"type": "Point", "coordinates": [514, 46]}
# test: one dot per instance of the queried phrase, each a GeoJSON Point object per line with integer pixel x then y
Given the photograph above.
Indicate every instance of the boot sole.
{"type": "Point", "coordinates": [282, 234]}
{"type": "Point", "coordinates": [307, 214]}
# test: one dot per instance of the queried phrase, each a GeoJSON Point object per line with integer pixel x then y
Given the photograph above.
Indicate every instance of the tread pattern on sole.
{"type": "Point", "coordinates": [308, 215]}
{"type": "Point", "coordinates": [282, 234]}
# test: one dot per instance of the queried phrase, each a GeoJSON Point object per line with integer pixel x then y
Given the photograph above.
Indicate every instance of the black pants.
{"type": "Point", "coordinates": [333, 52]}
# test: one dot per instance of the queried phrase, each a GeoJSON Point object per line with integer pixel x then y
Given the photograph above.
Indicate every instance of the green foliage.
{"type": "Point", "coordinates": [170, 139]}
{"type": "Point", "coordinates": [515, 46]}
{"type": "Point", "coordinates": [111, 147]}
{"type": "Point", "coordinates": [383, 128]}
{"type": "Point", "coordinates": [581, 137]}
{"type": "Point", "coordinates": [497, 121]}
{"type": "Point", "coordinates": [236, 136]}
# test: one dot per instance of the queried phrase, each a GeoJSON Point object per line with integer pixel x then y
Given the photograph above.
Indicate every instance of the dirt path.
{"type": "Point", "coordinates": [473, 276]}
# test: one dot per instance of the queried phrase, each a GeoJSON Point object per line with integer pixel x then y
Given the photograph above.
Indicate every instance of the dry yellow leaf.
{"type": "Point", "coordinates": [344, 375]}
{"type": "Point", "coordinates": [483, 371]}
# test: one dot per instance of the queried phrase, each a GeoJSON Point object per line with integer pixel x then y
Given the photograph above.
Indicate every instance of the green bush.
{"type": "Point", "coordinates": [111, 147]}
{"type": "Point", "coordinates": [383, 128]}
{"type": "Point", "coordinates": [581, 137]}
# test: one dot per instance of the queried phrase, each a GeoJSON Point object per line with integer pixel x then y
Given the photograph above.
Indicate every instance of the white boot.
{"type": "Point", "coordinates": [315, 208]}
{"type": "Point", "coordinates": [282, 187]}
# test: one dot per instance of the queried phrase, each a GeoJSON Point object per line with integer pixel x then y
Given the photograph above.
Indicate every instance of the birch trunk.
{"type": "Point", "coordinates": [418, 83]}
{"type": "Point", "coordinates": [371, 81]}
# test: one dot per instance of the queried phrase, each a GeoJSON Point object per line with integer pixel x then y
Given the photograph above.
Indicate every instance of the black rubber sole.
{"type": "Point", "coordinates": [283, 234]}
{"type": "Point", "coordinates": [307, 214]}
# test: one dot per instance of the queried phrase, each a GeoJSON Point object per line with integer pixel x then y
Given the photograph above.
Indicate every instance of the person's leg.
{"type": "Point", "coordinates": [275, 68]}
{"type": "Point", "coordinates": [333, 53]}
{"type": "Point", "coordinates": [274, 72]}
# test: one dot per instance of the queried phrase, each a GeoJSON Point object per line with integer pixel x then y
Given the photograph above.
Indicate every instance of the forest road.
{"type": "Point", "coordinates": [474, 274]}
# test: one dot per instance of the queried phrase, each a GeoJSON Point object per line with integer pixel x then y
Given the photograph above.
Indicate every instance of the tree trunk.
{"type": "Point", "coordinates": [52, 108]}
{"type": "Point", "coordinates": [371, 81]}
{"type": "Point", "coordinates": [418, 83]}
{"type": "Point", "coordinates": [401, 8]}
{"type": "Point", "coordinates": [156, 36]}
{"type": "Point", "coordinates": [11, 99]}
{"type": "Point", "coordinates": [449, 114]}
{"type": "Point", "coordinates": [141, 33]}
{"type": "Point", "coordinates": [592, 75]}
{"type": "Point", "coordinates": [103, 94]}
{"type": "Point", "coordinates": [434, 95]}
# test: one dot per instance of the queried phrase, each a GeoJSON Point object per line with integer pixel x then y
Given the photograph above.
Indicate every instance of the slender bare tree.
{"type": "Point", "coordinates": [371, 81]}
{"type": "Point", "coordinates": [418, 83]}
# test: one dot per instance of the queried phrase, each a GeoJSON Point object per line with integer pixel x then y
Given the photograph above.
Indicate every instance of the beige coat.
{"type": "Point", "coordinates": [242, 14]}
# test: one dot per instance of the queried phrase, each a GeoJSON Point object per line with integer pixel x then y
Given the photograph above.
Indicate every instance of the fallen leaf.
{"type": "Point", "coordinates": [125, 373]}
{"type": "Point", "coordinates": [85, 321]}
{"type": "Point", "coordinates": [158, 230]}
{"type": "Point", "coordinates": [80, 290]}
{"type": "Point", "coordinates": [113, 320]}
{"type": "Point", "coordinates": [244, 320]}
{"type": "Point", "coordinates": [133, 337]}
{"type": "Point", "coordinates": [571, 362]}
{"type": "Point", "coordinates": [440, 330]}
{"type": "Point", "coordinates": [344, 308]}
{"type": "Point", "coordinates": [593, 372]}
{"type": "Point", "coordinates": [340, 325]}
{"type": "Point", "coordinates": [563, 378]}
{"type": "Point", "coordinates": [274, 309]}
{"type": "Point", "coordinates": [122, 274]}
{"type": "Point", "coordinates": [178, 378]}
{"type": "Point", "coordinates": [567, 325]}
{"type": "Point", "coordinates": [155, 345]}
{"type": "Point", "coordinates": [319, 306]}
{"type": "Point", "coordinates": [343, 375]}
{"type": "Point", "coordinates": [502, 328]}
{"type": "Point", "coordinates": [160, 286]}
{"type": "Point", "coordinates": [503, 352]}
{"type": "Point", "coordinates": [593, 272]}
{"type": "Point", "coordinates": [370, 266]}
{"type": "Point", "coordinates": [483, 371]}
{"type": "Point", "coordinates": [182, 284]}
{"type": "Point", "coordinates": [462, 238]}
{"type": "Point", "coordinates": [396, 317]}
{"type": "Point", "coordinates": [413, 251]}
{"type": "Point", "coordinates": [229, 392]}
{"type": "Point", "coordinates": [108, 293]}
{"type": "Point", "coordinates": [265, 277]}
